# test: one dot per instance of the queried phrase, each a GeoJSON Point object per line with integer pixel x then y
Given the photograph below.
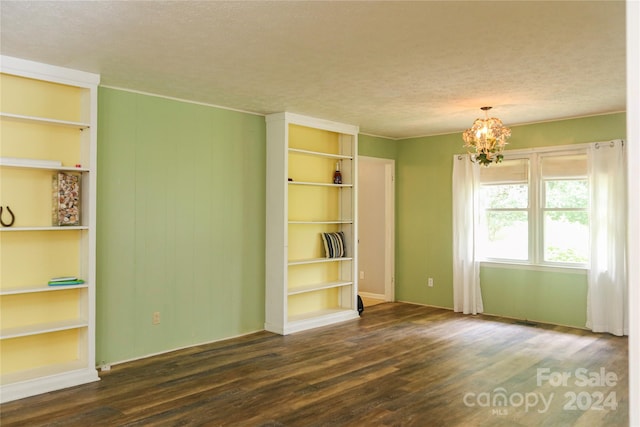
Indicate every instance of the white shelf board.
{"type": "Point", "coordinates": [44, 120]}
{"type": "Point", "coordinates": [52, 168]}
{"type": "Point", "coordinates": [43, 380]}
{"type": "Point", "coordinates": [316, 260]}
{"type": "Point", "coordinates": [47, 228]}
{"type": "Point", "coordinates": [44, 288]}
{"type": "Point", "coordinates": [317, 287]}
{"type": "Point", "coordinates": [43, 371]}
{"type": "Point", "coordinates": [42, 328]}
{"type": "Point", "coordinates": [29, 382]}
{"type": "Point", "coordinates": [345, 221]}
{"type": "Point", "coordinates": [320, 314]}
{"type": "Point", "coordinates": [319, 184]}
{"type": "Point", "coordinates": [320, 154]}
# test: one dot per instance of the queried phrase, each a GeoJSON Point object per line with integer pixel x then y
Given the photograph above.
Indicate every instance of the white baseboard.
{"type": "Point", "coordinates": [372, 295]}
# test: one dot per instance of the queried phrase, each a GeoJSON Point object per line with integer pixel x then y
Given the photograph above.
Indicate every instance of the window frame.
{"type": "Point", "coordinates": [536, 208]}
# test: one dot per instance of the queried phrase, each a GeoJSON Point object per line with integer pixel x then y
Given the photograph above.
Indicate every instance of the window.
{"type": "Point", "coordinates": [564, 209]}
{"type": "Point", "coordinates": [534, 209]}
{"type": "Point", "coordinates": [504, 201]}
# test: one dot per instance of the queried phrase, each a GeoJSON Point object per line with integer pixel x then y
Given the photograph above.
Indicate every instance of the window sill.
{"type": "Point", "coordinates": [535, 267]}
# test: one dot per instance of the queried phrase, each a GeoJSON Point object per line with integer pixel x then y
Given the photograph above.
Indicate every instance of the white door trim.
{"type": "Point", "coordinates": [389, 280]}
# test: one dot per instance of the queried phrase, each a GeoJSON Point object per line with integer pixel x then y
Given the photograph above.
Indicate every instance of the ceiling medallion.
{"type": "Point", "coordinates": [485, 140]}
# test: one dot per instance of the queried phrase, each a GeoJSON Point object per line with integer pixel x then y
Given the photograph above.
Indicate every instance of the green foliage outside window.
{"type": "Point", "coordinates": [566, 218]}
{"type": "Point", "coordinates": [510, 196]}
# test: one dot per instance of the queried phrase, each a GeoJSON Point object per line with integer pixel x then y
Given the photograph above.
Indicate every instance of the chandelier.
{"type": "Point", "coordinates": [487, 137]}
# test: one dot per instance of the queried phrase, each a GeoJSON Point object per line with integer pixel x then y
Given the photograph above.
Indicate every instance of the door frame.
{"type": "Point", "coordinates": [389, 232]}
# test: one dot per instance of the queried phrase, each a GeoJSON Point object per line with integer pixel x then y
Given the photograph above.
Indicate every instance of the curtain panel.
{"type": "Point", "coordinates": [467, 297]}
{"type": "Point", "coordinates": [607, 309]}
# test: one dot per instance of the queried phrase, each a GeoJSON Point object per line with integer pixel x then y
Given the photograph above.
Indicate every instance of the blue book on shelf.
{"type": "Point", "coordinates": [66, 282]}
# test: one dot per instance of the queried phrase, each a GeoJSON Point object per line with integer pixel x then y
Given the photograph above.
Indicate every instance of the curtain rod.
{"type": "Point", "coordinates": [568, 147]}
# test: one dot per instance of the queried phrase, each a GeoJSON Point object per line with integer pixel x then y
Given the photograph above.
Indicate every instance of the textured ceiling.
{"type": "Point", "coordinates": [396, 69]}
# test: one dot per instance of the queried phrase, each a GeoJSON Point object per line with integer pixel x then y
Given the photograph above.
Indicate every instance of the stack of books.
{"type": "Point", "coordinates": [66, 280]}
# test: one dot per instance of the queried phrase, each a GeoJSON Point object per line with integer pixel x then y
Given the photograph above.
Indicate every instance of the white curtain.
{"type": "Point", "coordinates": [607, 296]}
{"type": "Point", "coordinates": [466, 268]}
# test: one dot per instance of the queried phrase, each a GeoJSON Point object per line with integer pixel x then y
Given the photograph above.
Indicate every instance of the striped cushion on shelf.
{"type": "Point", "coordinates": [334, 246]}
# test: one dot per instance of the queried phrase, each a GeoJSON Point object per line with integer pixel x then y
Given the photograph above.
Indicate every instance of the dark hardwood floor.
{"type": "Point", "coordinates": [398, 365]}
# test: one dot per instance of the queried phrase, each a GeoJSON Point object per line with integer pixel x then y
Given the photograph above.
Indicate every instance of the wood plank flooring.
{"type": "Point", "coordinates": [398, 365]}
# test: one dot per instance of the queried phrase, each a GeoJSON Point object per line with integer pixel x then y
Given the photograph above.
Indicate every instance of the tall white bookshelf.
{"type": "Point", "coordinates": [305, 288]}
{"type": "Point", "coordinates": [49, 126]}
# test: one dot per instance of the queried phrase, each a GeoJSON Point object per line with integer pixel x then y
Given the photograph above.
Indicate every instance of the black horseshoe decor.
{"type": "Point", "coordinates": [13, 217]}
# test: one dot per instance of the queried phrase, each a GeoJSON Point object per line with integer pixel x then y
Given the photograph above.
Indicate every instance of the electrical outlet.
{"type": "Point", "coordinates": [430, 282]}
{"type": "Point", "coordinates": [362, 275]}
{"type": "Point", "coordinates": [155, 320]}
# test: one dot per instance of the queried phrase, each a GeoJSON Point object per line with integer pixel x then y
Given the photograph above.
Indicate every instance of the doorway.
{"type": "Point", "coordinates": [376, 229]}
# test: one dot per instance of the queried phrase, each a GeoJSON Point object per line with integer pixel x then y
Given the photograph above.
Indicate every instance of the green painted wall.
{"type": "Point", "coordinates": [181, 214]}
{"type": "Point", "coordinates": [424, 227]}
{"type": "Point", "coordinates": [375, 146]}
{"type": "Point", "coordinates": [542, 296]}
